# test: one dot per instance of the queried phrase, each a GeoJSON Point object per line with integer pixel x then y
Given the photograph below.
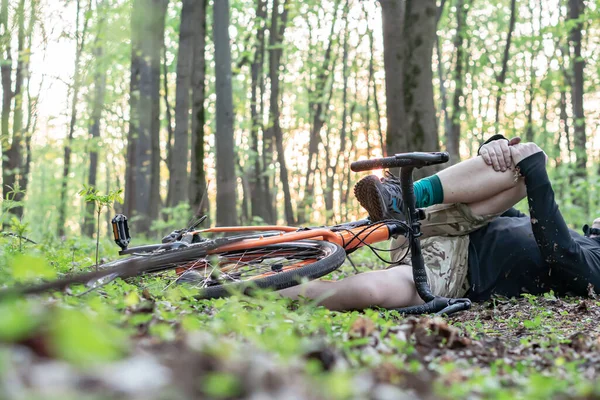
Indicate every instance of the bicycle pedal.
{"type": "Point", "coordinates": [121, 231]}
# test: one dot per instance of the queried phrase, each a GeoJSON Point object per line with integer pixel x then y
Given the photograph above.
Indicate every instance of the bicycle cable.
{"type": "Point", "coordinates": [375, 249]}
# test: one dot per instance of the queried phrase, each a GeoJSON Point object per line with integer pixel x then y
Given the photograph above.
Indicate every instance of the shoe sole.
{"type": "Point", "coordinates": [367, 192]}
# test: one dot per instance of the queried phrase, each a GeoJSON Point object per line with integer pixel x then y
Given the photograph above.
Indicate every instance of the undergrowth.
{"type": "Point", "coordinates": [239, 347]}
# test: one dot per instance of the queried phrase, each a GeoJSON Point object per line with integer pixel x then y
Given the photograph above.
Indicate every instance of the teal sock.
{"type": "Point", "coordinates": [429, 191]}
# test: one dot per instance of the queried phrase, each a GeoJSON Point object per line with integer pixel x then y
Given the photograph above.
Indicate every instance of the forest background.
{"type": "Point", "coordinates": [251, 111]}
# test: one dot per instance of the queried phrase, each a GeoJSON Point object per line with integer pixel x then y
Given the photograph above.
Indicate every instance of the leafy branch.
{"type": "Point", "coordinates": [91, 194]}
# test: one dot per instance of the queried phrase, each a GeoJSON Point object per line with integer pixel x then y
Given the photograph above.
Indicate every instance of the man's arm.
{"type": "Point", "coordinates": [549, 227]}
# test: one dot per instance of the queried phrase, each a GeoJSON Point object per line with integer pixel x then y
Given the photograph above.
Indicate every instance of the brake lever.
{"type": "Point", "coordinates": [195, 224]}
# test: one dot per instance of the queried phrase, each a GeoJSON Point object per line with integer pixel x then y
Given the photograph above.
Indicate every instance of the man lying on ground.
{"type": "Point", "coordinates": [474, 243]}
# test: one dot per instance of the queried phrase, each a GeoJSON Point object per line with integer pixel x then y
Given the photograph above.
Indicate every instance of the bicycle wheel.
{"type": "Point", "coordinates": [274, 267]}
{"type": "Point", "coordinates": [218, 273]}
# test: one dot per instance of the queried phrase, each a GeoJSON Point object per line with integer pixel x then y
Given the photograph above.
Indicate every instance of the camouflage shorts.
{"type": "Point", "coordinates": [445, 247]}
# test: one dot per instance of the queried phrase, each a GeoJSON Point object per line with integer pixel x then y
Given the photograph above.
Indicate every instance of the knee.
{"type": "Point", "coordinates": [393, 288]}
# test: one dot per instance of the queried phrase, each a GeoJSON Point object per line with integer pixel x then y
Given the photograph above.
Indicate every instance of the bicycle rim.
{"type": "Point", "coordinates": [271, 267]}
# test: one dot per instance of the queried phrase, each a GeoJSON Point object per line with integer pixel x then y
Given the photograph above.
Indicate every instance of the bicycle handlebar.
{"type": "Point", "coordinates": [415, 159]}
{"type": "Point", "coordinates": [438, 306]}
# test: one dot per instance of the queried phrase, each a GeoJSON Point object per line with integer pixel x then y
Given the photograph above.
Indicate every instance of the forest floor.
{"type": "Point", "coordinates": [147, 339]}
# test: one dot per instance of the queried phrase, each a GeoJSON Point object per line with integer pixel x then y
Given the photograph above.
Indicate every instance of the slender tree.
{"type": "Point", "coordinates": [453, 135]}
{"type": "Point", "coordinates": [134, 95]}
{"type": "Point", "coordinates": [373, 83]}
{"type": "Point", "coordinates": [276, 33]}
{"type": "Point", "coordinates": [260, 199]}
{"type": "Point", "coordinates": [80, 43]}
{"type": "Point", "coordinates": [96, 114]}
{"type": "Point", "coordinates": [576, 10]}
{"type": "Point", "coordinates": [442, 78]}
{"type": "Point", "coordinates": [16, 157]}
{"type": "Point", "coordinates": [501, 78]}
{"type": "Point", "coordinates": [7, 95]}
{"type": "Point", "coordinates": [198, 184]}
{"type": "Point", "coordinates": [168, 112]}
{"type": "Point", "coordinates": [155, 34]}
{"type": "Point", "coordinates": [224, 141]}
{"type": "Point", "coordinates": [30, 128]}
{"type": "Point", "coordinates": [178, 176]}
{"type": "Point", "coordinates": [333, 168]}
{"type": "Point", "coordinates": [319, 101]}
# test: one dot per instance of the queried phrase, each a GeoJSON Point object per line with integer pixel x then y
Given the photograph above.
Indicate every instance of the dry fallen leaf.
{"type": "Point", "coordinates": [362, 327]}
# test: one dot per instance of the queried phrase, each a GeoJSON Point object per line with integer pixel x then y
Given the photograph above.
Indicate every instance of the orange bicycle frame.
{"type": "Point", "coordinates": [350, 239]}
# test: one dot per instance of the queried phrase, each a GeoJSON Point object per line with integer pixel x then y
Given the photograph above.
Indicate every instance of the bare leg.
{"type": "Point", "coordinates": [500, 202]}
{"type": "Point", "coordinates": [472, 181]}
{"type": "Point", "coordinates": [390, 288]}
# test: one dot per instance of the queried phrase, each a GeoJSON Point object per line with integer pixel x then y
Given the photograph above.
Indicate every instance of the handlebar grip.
{"type": "Point", "coordinates": [433, 306]}
{"type": "Point", "coordinates": [375, 163]}
{"type": "Point", "coordinates": [454, 308]}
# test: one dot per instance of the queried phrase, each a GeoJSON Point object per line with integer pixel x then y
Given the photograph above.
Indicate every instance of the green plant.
{"type": "Point", "coordinates": [91, 194]}
{"type": "Point", "coordinates": [19, 228]}
{"type": "Point", "coordinates": [9, 202]}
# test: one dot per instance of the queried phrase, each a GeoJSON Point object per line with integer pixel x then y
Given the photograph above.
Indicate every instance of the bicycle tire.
{"type": "Point", "coordinates": [333, 257]}
{"type": "Point", "coordinates": [332, 261]}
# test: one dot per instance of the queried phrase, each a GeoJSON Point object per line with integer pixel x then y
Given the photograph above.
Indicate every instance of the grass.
{"type": "Point", "coordinates": [137, 340]}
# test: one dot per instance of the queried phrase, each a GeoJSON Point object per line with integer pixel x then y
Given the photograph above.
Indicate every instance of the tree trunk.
{"type": "Point", "coordinates": [274, 63]}
{"type": "Point", "coordinates": [94, 130]}
{"type": "Point", "coordinates": [148, 22]}
{"type": "Point", "coordinates": [393, 15]}
{"type": "Point", "coordinates": [13, 157]}
{"type": "Point", "coordinates": [178, 176]}
{"type": "Point", "coordinates": [198, 186]}
{"type": "Point", "coordinates": [529, 134]}
{"type": "Point", "coordinates": [25, 160]}
{"type": "Point", "coordinates": [168, 113]}
{"type": "Point", "coordinates": [156, 34]}
{"type": "Point", "coordinates": [245, 215]}
{"type": "Point", "coordinates": [80, 44]}
{"type": "Point", "coordinates": [7, 95]}
{"type": "Point", "coordinates": [224, 141]}
{"type": "Point", "coordinates": [332, 169]}
{"type": "Point", "coordinates": [502, 77]}
{"type": "Point", "coordinates": [576, 9]}
{"type": "Point", "coordinates": [442, 77]}
{"type": "Point", "coordinates": [564, 119]}
{"type": "Point", "coordinates": [318, 109]}
{"type": "Point", "coordinates": [419, 32]}
{"type": "Point", "coordinates": [453, 135]}
{"type": "Point", "coordinates": [529, 130]}
{"type": "Point", "coordinates": [134, 98]}
{"type": "Point", "coordinates": [260, 202]}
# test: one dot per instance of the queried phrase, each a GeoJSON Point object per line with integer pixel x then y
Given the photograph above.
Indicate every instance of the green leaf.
{"type": "Point", "coordinates": [17, 321]}
{"type": "Point", "coordinates": [26, 267]}
{"type": "Point", "coordinates": [221, 385]}
{"type": "Point", "coordinates": [82, 338]}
